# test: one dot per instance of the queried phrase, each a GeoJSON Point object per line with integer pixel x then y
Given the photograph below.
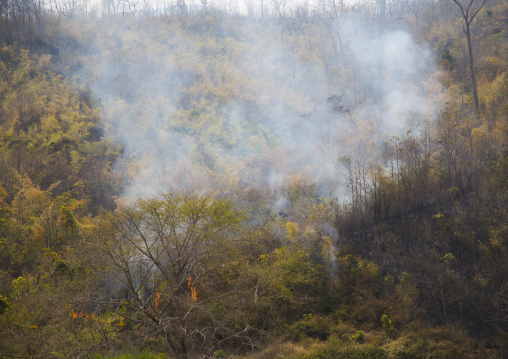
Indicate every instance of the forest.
{"type": "Point", "coordinates": [254, 179]}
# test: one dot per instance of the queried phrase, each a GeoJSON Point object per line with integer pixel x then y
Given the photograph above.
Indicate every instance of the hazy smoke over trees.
{"type": "Point", "coordinates": [198, 107]}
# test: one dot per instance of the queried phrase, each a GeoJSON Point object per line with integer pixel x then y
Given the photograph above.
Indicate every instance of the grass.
{"type": "Point", "coordinates": [134, 355]}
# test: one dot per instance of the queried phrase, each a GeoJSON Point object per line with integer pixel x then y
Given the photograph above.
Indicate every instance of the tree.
{"type": "Point", "coordinates": [334, 10]}
{"type": "Point", "coordinates": [182, 7]}
{"type": "Point", "coordinates": [161, 249]}
{"type": "Point", "coordinates": [205, 6]}
{"type": "Point", "coordinates": [469, 10]}
{"type": "Point", "coordinates": [280, 10]}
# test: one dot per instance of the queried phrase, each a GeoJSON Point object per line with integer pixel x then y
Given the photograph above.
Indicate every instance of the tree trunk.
{"type": "Point", "coordinates": [471, 65]}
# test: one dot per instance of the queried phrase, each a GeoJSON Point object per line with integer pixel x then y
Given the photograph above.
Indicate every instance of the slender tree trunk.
{"type": "Point", "coordinates": [471, 65]}
{"type": "Point", "coordinates": [469, 12]}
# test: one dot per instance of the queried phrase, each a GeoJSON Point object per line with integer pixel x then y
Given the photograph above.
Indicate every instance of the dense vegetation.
{"type": "Point", "coordinates": [295, 181]}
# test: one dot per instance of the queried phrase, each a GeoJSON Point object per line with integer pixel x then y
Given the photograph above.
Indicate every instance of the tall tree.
{"type": "Point", "coordinates": [469, 10]}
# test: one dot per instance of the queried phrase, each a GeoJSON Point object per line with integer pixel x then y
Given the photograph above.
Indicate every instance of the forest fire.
{"type": "Point", "coordinates": [80, 314]}
{"type": "Point", "coordinates": [332, 173]}
{"type": "Point", "coordinates": [192, 290]}
{"type": "Point", "coordinates": [157, 299]}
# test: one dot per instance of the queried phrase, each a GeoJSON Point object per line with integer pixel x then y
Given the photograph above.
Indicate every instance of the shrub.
{"type": "Point", "coordinates": [334, 339]}
{"type": "Point", "coordinates": [219, 354]}
{"type": "Point", "coordinates": [135, 355]}
{"type": "Point", "coordinates": [313, 326]}
{"type": "Point", "coordinates": [334, 352]}
{"type": "Point", "coordinates": [4, 304]}
{"type": "Point", "coordinates": [413, 350]}
{"type": "Point", "coordinates": [359, 337]}
{"type": "Point", "coordinates": [388, 325]}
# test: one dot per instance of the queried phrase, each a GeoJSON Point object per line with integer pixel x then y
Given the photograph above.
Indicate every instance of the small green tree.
{"type": "Point", "coordinates": [407, 299]}
{"type": "Point", "coordinates": [387, 323]}
{"type": "Point", "coordinates": [359, 337]}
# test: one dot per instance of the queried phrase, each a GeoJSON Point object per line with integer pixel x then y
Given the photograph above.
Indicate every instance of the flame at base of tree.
{"type": "Point", "coordinates": [192, 289]}
{"type": "Point", "coordinates": [192, 293]}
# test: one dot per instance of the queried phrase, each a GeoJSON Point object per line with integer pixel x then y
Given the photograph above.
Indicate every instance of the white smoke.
{"type": "Point", "coordinates": [213, 105]}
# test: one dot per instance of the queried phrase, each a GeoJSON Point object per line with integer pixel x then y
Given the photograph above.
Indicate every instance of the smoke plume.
{"type": "Point", "coordinates": [219, 103]}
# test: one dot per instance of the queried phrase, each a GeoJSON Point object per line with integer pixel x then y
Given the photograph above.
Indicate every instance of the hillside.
{"type": "Point", "coordinates": [296, 181]}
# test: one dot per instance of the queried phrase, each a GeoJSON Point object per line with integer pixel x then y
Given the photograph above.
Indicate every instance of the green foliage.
{"type": "Point", "coordinates": [219, 354]}
{"type": "Point", "coordinates": [187, 267]}
{"type": "Point", "coordinates": [49, 127]}
{"type": "Point", "coordinates": [289, 279]}
{"type": "Point", "coordinates": [186, 280]}
{"type": "Point", "coordinates": [405, 309]}
{"type": "Point", "coordinates": [443, 342]}
{"type": "Point", "coordinates": [20, 287]}
{"type": "Point", "coordinates": [62, 267]}
{"type": "Point", "coordinates": [313, 326]}
{"type": "Point", "coordinates": [448, 60]}
{"type": "Point", "coordinates": [334, 352]}
{"type": "Point", "coordinates": [4, 304]}
{"type": "Point", "coordinates": [387, 323]}
{"type": "Point", "coordinates": [67, 218]}
{"type": "Point", "coordinates": [359, 337]}
{"type": "Point", "coordinates": [33, 224]}
{"type": "Point", "coordinates": [360, 286]}
{"type": "Point", "coordinates": [417, 349]}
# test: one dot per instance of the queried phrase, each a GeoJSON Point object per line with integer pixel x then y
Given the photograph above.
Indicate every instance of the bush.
{"type": "Point", "coordinates": [420, 346]}
{"type": "Point", "coordinates": [313, 326]}
{"type": "Point", "coordinates": [334, 352]}
{"type": "Point", "coordinates": [219, 354]}
{"type": "Point", "coordinates": [359, 337]}
{"type": "Point", "coordinates": [136, 355]}
{"type": "Point", "coordinates": [285, 350]}
{"type": "Point", "coordinates": [413, 350]}
{"type": "Point", "coordinates": [388, 325]}
{"type": "Point", "coordinates": [4, 304]}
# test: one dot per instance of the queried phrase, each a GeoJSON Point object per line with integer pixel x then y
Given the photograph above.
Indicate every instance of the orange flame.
{"type": "Point", "coordinates": [192, 289]}
{"type": "Point", "coordinates": [79, 314]}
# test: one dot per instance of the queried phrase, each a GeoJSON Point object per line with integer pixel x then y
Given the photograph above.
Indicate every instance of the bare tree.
{"type": "Point", "coordinates": [249, 4]}
{"type": "Point", "coordinates": [130, 5]}
{"type": "Point", "coordinates": [334, 10]}
{"type": "Point", "coordinates": [469, 10]}
{"type": "Point", "coordinates": [280, 10]}
{"type": "Point", "coordinates": [416, 7]}
{"type": "Point", "coordinates": [110, 7]}
{"type": "Point", "coordinates": [182, 7]}
{"type": "Point", "coordinates": [205, 6]}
